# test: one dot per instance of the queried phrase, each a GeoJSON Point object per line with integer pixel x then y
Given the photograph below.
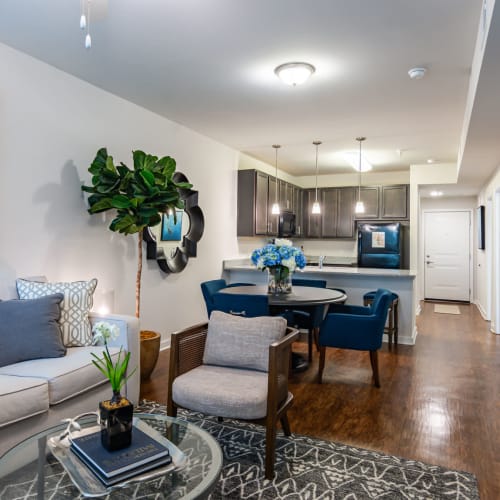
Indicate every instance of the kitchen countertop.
{"type": "Point", "coordinates": [246, 265]}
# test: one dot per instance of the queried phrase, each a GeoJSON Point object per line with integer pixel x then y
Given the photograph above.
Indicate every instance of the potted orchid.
{"type": "Point", "coordinates": [116, 413]}
{"type": "Point", "coordinates": [281, 259]}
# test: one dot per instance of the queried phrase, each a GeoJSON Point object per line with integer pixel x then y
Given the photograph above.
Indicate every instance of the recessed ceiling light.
{"type": "Point", "coordinates": [436, 193]}
{"type": "Point", "coordinates": [294, 73]}
{"type": "Point", "coordinates": [417, 73]}
{"type": "Point", "coordinates": [430, 160]}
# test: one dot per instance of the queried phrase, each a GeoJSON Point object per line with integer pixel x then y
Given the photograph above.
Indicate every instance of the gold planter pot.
{"type": "Point", "coordinates": [150, 349]}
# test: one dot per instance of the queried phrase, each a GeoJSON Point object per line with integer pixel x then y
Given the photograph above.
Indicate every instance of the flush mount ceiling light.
{"type": "Point", "coordinates": [417, 73]}
{"type": "Point", "coordinates": [316, 208]}
{"type": "Point", "coordinates": [294, 73]}
{"type": "Point", "coordinates": [430, 160]}
{"type": "Point", "coordinates": [360, 206]}
{"type": "Point", "coordinates": [436, 193]}
{"type": "Point", "coordinates": [275, 210]}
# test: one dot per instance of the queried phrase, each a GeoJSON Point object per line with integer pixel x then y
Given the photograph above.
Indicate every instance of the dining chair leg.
{"type": "Point", "coordinates": [286, 425]}
{"type": "Point", "coordinates": [390, 326]}
{"type": "Point", "coordinates": [322, 353]}
{"type": "Point", "coordinates": [374, 363]}
{"type": "Point", "coordinates": [316, 337]}
{"type": "Point", "coordinates": [310, 335]}
{"type": "Point", "coordinates": [396, 321]}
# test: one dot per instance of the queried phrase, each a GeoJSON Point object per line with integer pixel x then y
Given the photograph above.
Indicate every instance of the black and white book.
{"type": "Point", "coordinates": [144, 450]}
{"type": "Point", "coordinates": [118, 478]}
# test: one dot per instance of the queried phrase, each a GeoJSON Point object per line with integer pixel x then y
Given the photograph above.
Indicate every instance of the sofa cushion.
{"type": "Point", "coordinates": [241, 342]}
{"type": "Point", "coordinates": [75, 307]}
{"type": "Point", "coordinates": [29, 329]}
{"type": "Point", "coordinates": [22, 397]}
{"type": "Point", "coordinates": [67, 376]}
{"type": "Point", "coordinates": [222, 391]}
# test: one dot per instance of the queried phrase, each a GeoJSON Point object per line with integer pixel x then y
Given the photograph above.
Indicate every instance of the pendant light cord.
{"type": "Point", "coordinates": [359, 173]}
{"type": "Point", "coordinates": [316, 143]}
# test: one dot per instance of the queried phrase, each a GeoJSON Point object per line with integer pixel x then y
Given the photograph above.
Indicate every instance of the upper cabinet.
{"type": "Point", "coordinates": [384, 202]}
{"type": "Point", "coordinates": [256, 195]}
{"type": "Point", "coordinates": [337, 213]}
{"type": "Point", "coordinates": [394, 202]}
{"type": "Point", "coordinates": [258, 191]}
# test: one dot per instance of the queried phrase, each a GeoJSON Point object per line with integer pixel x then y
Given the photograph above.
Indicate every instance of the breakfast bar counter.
{"type": "Point", "coordinates": [356, 281]}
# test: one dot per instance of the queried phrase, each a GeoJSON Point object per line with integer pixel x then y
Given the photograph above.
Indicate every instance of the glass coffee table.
{"type": "Point", "coordinates": [31, 471]}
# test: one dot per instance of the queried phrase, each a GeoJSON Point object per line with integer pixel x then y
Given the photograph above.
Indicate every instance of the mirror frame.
{"type": "Point", "coordinates": [179, 258]}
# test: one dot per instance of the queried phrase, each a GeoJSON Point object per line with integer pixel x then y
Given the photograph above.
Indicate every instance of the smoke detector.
{"type": "Point", "coordinates": [417, 73]}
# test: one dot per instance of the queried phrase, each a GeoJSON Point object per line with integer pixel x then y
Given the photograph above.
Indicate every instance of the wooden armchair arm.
{"type": "Point", "coordinates": [186, 352]}
{"type": "Point", "coordinates": [279, 366]}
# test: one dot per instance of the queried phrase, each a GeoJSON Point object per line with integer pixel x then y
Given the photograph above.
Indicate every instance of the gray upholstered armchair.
{"type": "Point", "coordinates": [234, 367]}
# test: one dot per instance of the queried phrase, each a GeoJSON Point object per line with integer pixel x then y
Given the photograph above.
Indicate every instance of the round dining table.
{"type": "Point", "coordinates": [304, 297]}
{"type": "Point", "coordinates": [300, 295]}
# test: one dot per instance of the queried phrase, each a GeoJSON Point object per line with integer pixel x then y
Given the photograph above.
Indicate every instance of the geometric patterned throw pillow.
{"type": "Point", "coordinates": [75, 307]}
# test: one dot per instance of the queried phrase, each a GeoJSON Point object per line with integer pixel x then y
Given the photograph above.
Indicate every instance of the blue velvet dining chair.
{"type": "Point", "coordinates": [308, 318]}
{"type": "Point", "coordinates": [248, 306]}
{"type": "Point", "coordinates": [209, 288]}
{"type": "Point", "coordinates": [356, 327]}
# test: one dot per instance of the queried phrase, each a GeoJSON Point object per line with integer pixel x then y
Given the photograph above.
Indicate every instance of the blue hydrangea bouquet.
{"type": "Point", "coordinates": [281, 259]}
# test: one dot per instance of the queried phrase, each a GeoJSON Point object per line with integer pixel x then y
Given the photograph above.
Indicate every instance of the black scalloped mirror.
{"type": "Point", "coordinates": [170, 243]}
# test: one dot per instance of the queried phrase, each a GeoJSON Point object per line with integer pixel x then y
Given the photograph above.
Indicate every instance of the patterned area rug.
{"type": "Point", "coordinates": [310, 469]}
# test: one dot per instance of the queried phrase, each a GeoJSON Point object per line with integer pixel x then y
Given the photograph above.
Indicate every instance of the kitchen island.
{"type": "Point", "coordinates": [356, 281]}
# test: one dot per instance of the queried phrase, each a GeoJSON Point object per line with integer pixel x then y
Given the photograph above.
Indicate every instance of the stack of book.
{"type": "Point", "coordinates": [112, 467]}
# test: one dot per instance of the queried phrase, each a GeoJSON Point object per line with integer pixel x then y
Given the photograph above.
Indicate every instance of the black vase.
{"type": "Point", "coordinates": [116, 422]}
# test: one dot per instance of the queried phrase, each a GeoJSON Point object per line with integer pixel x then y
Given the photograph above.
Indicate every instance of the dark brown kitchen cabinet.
{"type": "Point", "coordinates": [384, 202]}
{"type": "Point", "coordinates": [346, 201]}
{"type": "Point", "coordinates": [256, 193]}
{"type": "Point", "coordinates": [369, 195]}
{"type": "Point", "coordinates": [273, 197]}
{"type": "Point", "coordinates": [337, 213]}
{"type": "Point", "coordinates": [286, 195]}
{"type": "Point", "coordinates": [298, 210]}
{"type": "Point", "coordinates": [312, 222]}
{"type": "Point", "coordinates": [394, 203]}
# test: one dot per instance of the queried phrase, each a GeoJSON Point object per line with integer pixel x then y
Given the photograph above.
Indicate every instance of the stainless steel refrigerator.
{"type": "Point", "coordinates": [380, 245]}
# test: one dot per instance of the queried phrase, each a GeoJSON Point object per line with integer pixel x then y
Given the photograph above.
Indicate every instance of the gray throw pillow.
{"type": "Point", "coordinates": [241, 342]}
{"type": "Point", "coordinates": [29, 329]}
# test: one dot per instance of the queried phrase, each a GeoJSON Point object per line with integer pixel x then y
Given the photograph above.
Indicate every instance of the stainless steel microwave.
{"type": "Point", "coordinates": [286, 225]}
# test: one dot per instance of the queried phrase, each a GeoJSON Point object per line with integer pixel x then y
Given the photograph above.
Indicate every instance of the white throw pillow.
{"type": "Point", "coordinates": [242, 342]}
{"type": "Point", "coordinates": [75, 323]}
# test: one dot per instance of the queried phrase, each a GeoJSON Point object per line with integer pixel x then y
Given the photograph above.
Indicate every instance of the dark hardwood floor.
{"type": "Point", "coordinates": [439, 400]}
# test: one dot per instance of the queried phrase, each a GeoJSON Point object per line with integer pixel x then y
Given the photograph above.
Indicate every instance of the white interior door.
{"type": "Point", "coordinates": [447, 255]}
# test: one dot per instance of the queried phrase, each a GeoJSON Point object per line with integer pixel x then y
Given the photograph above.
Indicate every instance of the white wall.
{"type": "Point", "coordinates": [488, 281]}
{"type": "Point", "coordinates": [51, 125]}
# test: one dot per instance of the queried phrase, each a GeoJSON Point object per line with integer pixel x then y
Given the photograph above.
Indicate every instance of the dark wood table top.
{"type": "Point", "coordinates": [300, 296]}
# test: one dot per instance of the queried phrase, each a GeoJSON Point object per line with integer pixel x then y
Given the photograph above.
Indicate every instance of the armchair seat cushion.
{"type": "Point", "coordinates": [222, 391]}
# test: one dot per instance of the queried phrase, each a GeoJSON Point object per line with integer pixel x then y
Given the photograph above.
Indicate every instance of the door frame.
{"type": "Point", "coordinates": [471, 245]}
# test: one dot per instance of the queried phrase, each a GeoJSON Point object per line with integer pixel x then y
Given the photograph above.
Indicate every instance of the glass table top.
{"type": "Point", "coordinates": [20, 466]}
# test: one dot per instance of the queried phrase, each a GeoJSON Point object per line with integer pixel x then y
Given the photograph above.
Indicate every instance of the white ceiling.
{"type": "Point", "coordinates": [209, 66]}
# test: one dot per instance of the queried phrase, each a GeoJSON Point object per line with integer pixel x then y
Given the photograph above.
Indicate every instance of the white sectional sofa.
{"type": "Point", "coordinates": [38, 393]}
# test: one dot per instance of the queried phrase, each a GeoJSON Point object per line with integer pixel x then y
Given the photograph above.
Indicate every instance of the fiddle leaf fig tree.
{"type": "Point", "coordinates": [139, 196]}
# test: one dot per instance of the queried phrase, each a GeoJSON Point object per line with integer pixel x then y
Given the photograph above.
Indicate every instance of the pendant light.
{"type": "Point", "coordinates": [360, 206]}
{"type": "Point", "coordinates": [275, 210]}
{"type": "Point", "coordinates": [316, 208]}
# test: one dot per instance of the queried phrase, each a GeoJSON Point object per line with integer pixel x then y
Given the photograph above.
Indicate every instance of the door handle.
{"type": "Point", "coordinates": [429, 262]}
